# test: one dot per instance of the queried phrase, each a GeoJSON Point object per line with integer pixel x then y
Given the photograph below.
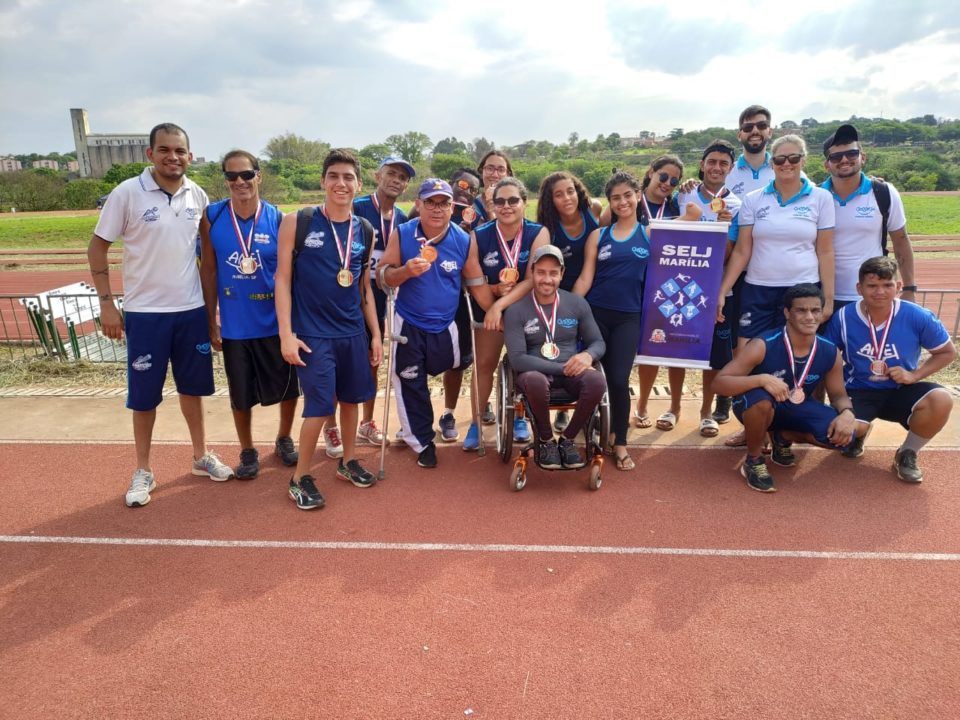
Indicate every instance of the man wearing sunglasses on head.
{"type": "Point", "coordinates": [238, 251]}
{"type": "Point", "coordinates": [867, 210]}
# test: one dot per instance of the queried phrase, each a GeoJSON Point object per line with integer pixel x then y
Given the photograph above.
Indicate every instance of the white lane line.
{"type": "Point", "coordinates": [482, 548]}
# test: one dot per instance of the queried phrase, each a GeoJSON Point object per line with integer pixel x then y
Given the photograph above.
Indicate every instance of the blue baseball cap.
{"type": "Point", "coordinates": [431, 187]}
{"type": "Point", "coordinates": [397, 160]}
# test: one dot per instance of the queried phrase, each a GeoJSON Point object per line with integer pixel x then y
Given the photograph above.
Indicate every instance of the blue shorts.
{"type": "Point", "coordinates": [761, 310]}
{"type": "Point", "coordinates": [721, 349]}
{"type": "Point", "coordinates": [153, 340]}
{"type": "Point", "coordinates": [338, 369]}
{"type": "Point", "coordinates": [810, 416]}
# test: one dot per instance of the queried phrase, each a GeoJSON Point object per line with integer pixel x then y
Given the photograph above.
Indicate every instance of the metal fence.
{"type": "Point", "coordinates": [66, 327]}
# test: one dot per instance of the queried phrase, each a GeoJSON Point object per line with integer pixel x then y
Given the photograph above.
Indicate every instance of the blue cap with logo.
{"type": "Point", "coordinates": [397, 160]}
{"type": "Point", "coordinates": [431, 187]}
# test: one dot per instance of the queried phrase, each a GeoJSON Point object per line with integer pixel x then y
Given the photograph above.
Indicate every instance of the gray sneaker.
{"type": "Point", "coordinates": [448, 428]}
{"type": "Point", "coordinates": [905, 464]}
{"type": "Point", "coordinates": [212, 467]}
{"type": "Point", "coordinates": [140, 488]}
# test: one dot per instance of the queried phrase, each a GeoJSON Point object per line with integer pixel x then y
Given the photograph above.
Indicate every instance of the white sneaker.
{"type": "Point", "coordinates": [331, 439]}
{"type": "Point", "coordinates": [211, 466]}
{"type": "Point", "coordinates": [140, 487]}
{"type": "Point", "coordinates": [368, 432]}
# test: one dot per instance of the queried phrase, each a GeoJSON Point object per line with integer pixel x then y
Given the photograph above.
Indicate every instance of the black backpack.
{"type": "Point", "coordinates": [305, 217]}
{"type": "Point", "coordinates": [881, 191]}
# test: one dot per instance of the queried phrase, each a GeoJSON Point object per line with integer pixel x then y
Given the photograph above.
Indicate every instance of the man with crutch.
{"type": "Point", "coordinates": [431, 259]}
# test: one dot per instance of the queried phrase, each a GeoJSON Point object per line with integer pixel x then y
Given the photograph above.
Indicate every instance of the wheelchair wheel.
{"type": "Point", "coordinates": [595, 475]}
{"type": "Point", "coordinates": [505, 411]}
{"type": "Point", "coordinates": [518, 477]}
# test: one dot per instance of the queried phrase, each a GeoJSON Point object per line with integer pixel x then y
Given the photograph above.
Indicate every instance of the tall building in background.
{"type": "Point", "coordinates": [98, 153]}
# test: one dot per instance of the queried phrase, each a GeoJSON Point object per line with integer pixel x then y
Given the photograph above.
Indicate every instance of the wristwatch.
{"type": "Point", "coordinates": [909, 288]}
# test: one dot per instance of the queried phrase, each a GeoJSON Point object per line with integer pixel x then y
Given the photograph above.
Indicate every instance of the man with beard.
{"type": "Point", "coordinates": [541, 334]}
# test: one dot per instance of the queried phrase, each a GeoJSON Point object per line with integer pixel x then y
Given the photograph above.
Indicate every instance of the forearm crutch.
{"type": "Point", "coordinates": [391, 336]}
{"type": "Point", "coordinates": [474, 384]}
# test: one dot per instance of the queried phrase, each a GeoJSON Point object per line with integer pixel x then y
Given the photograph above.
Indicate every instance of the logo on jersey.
{"type": "Point", "coordinates": [409, 373]}
{"type": "Point", "coordinates": [640, 252]}
{"type": "Point", "coordinates": [889, 351]}
{"type": "Point", "coordinates": [449, 266]}
{"type": "Point", "coordinates": [531, 327]}
{"type": "Point", "coordinates": [151, 215]}
{"type": "Point", "coordinates": [811, 379]}
{"type": "Point", "coordinates": [567, 251]}
{"type": "Point", "coordinates": [567, 322]}
{"type": "Point", "coordinates": [314, 240]}
{"type": "Point", "coordinates": [523, 256]}
{"type": "Point", "coordinates": [803, 211]}
{"type": "Point", "coordinates": [192, 213]}
{"type": "Point", "coordinates": [779, 374]}
{"type": "Point", "coordinates": [203, 348]}
{"type": "Point", "coordinates": [605, 252]}
{"type": "Point", "coordinates": [762, 213]}
{"type": "Point", "coordinates": [865, 212]}
{"type": "Point", "coordinates": [491, 259]}
{"type": "Point", "coordinates": [261, 238]}
{"type": "Point", "coordinates": [358, 247]}
{"type": "Point", "coordinates": [745, 320]}
{"type": "Point", "coordinates": [737, 189]}
{"type": "Point", "coordinates": [658, 336]}
{"type": "Point", "coordinates": [142, 363]}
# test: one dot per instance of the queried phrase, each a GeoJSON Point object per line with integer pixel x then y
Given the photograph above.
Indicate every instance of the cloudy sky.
{"type": "Point", "coordinates": [351, 72]}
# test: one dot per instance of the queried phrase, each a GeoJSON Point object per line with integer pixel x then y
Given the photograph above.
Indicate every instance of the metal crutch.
{"type": "Point", "coordinates": [392, 337]}
{"type": "Point", "coordinates": [474, 384]}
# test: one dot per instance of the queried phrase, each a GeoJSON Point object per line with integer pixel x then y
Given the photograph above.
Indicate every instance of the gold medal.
{"type": "Point", "coordinates": [717, 204]}
{"type": "Point", "coordinates": [878, 368]}
{"type": "Point", "coordinates": [468, 215]}
{"type": "Point", "coordinates": [428, 252]}
{"type": "Point", "coordinates": [550, 351]}
{"type": "Point", "coordinates": [248, 265]}
{"type": "Point", "coordinates": [509, 275]}
{"type": "Point", "coordinates": [345, 278]}
{"type": "Point", "coordinates": [797, 396]}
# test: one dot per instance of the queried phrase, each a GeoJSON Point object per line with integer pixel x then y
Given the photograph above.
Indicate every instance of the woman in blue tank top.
{"type": "Point", "coordinates": [614, 267]}
{"type": "Point", "coordinates": [569, 215]}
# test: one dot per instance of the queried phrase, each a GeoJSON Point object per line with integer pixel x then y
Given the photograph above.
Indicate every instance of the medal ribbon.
{"type": "Point", "coordinates": [422, 239]}
{"type": "Point", "coordinates": [878, 347]}
{"type": "Point", "coordinates": [511, 254]}
{"type": "Point", "coordinates": [246, 247]}
{"type": "Point", "coordinates": [385, 231]}
{"type": "Point", "coordinates": [549, 326]}
{"type": "Point", "coordinates": [646, 207]}
{"type": "Point", "coordinates": [344, 254]}
{"type": "Point", "coordinates": [798, 384]}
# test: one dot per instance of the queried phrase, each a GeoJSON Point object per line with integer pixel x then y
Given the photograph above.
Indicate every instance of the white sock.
{"type": "Point", "coordinates": [914, 442]}
{"type": "Point", "coordinates": [447, 411]}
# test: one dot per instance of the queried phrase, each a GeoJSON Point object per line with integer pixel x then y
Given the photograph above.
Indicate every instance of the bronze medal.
{"type": "Point", "coordinates": [468, 215]}
{"type": "Point", "coordinates": [878, 368]}
{"type": "Point", "coordinates": [509, 275]}
{"type": "Point", "coordinates": [345, 278]}
{"type": "Point", "coordinates": [717, 204]}
{"type": "Point", "coordinates": [248, 265]}
{"type": "Point", "coordinates": [550, 351]}
{"type": "Point", "coordinates": [797, 396]}
{"type": "Point", "coordinates": [428, 252]}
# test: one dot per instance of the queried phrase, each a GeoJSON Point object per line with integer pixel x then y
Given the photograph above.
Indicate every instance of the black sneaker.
{"type": "Point", "coordinates": [488, 418]}
{"type": "Point", "coordinates": [249, 464]}
{"type": "Point", "coordinates": [561, 421]}
{"type": "Point", "coordinates": [428, 456]}
{"type": "Point", "coordinates": [305, 493]}
{"type": "Point", "coordinates": [548, 456]}
{"type": "Point", "coordinates": [569, 455]}
{"type": "Point", "coordinates": [905, 463]}
{"type": "Point", "coordinates": [757, 475]}
{"type": "Point", "coordinates": [286, 451]}
{"type": "Point", "coordinates": [722, 412]}
{"type": "Point", "coordinates": [854, 448]}
{"type": "Point", "coordinates": [782, 452]}
{"type": "Point", "coordinates": [355, 473]}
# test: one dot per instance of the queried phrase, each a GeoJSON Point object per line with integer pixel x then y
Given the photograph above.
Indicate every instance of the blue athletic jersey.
{"type": "Point", "coordinates": [572, 249]}
{"type": "Point", "coordinates": [776, 362]}
{"type": "Point", "coordinates": [481, 209]}
{"type": "Point", "coordinates": [321, 307]}
{"type": "Point", "coordinates": [488, 248]}
{"type": "Point", "coordinates": [430, 301]}
{"type": "Point", "coordinates": [672, 210]}
{"type": "Point", "coordinates": [365, 208]}
{"type": "Point", "coordinates": [621, 269]}
{"type": "Point", "coordinates": [247, 308]}
{"type": "Point", "coordinates": [913, 328]}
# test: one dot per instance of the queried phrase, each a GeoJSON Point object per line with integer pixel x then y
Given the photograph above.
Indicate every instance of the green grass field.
{"type": "Point", "coordinates": [926, 215]}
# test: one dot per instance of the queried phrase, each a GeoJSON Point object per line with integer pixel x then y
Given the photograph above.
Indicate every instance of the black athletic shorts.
{"type": "Point", "coordinates": [894, 405]}
{"type": "Point", "coordinates": [257, 373]}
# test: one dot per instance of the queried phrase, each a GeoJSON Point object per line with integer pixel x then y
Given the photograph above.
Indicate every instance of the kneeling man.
{"type": "Point", "coordinates": [541, 332]}
{"type": "Point", "coordinates": [773, 378]}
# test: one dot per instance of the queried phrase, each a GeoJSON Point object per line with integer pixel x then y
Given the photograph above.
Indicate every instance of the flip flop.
{"type": "Point", "coordinates": [624, 462]}
{"type": "Point", "coordinates": [738, 439]}
{"type": "Point", "coordinates": [667, 422]}
{"type": "Point", "coordinates": [709, 427]}
{"type": "Point", "coordinates": [642, 421]}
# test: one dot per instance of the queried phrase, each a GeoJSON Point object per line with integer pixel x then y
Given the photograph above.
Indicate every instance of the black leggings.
{"type": "Point", "coordinates": [621, 333]}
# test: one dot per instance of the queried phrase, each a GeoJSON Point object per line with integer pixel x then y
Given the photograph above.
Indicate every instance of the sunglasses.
{"type": "Point", "coordinates": [464, 185]}
{"type": "Point", "coordinates": [243, 175]}
{"type": "Point", "coordinates": [437, 204]}
{"type": "Point", "coordinates": [512, 201]}
{"type": "Point", "coordinates": [793, 159]}
{"type": "Point", "coordinates": [664, 177]}
{"type": "Point", "coordinates": [848, 154]}
{"type": "Point", "coordinates": [748, 127]}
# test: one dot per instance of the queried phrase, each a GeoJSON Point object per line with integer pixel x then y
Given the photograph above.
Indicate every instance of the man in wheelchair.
{"type": "Point", "coordinates": [542, 333]}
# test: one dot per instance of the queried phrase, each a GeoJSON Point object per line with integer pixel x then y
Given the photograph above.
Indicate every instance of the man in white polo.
{"type": "Point", "coordinates": [158, 214]}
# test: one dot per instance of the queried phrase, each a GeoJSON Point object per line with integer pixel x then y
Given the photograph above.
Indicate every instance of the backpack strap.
{"type": "Point", "coordinates": [304, 218]}
{"type": "Point", "coordinates": [881, 191]}
{"type": "Point", "coordinates": [367, 228]}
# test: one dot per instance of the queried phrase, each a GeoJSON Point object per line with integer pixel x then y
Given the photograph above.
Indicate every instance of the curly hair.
{"type": "Point", "coordinates": [547, 214]}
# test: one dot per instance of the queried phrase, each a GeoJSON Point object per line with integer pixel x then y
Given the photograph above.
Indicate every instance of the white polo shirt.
{"type": "Point", "coordinates": [744, 179]}
{"type": "Point", "coordinates": [702, 200]}
{"type": "Point", "coordinates": [159, 242]}
{"type": "Point", "coordinates": [856, 236]}
{"type": "Point", "coordinates": [785, 234]}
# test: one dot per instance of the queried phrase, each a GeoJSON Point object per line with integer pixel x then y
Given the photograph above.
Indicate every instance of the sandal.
{"type": "Point", "coordinates": [624, 462]}
{"type": "Point", "coordinates": [667, 422]}
{"type": "Point", "coordinates": [709, 427]}
{"type": "Point", "coordinates": [738, 439]}
{"type": "Point", "coordinates": [642, 421]}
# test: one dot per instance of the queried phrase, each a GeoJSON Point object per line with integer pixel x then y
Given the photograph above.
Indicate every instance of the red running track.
{"type": "Point", "coordinates": [231, 632]}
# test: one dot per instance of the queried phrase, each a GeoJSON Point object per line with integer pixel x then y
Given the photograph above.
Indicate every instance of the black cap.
{"type": "Point", "coordinates": [843, 135]}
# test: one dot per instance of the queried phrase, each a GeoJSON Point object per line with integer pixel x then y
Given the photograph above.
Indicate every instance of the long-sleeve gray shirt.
{"type": "Point", "coordinates": [524, 333]}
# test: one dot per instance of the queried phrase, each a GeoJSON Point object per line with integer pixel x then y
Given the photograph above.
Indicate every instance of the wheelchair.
{"type": "Point", "coordinates": [512, 404]}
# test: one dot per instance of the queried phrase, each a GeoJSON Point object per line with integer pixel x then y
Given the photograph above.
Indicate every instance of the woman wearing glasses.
{"type": "Point", "coordinates": [785, 238]}
{"type": "Point", "coordinates": [493, 167]}
{"type": "Point", "coordinates": [504, 247]}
